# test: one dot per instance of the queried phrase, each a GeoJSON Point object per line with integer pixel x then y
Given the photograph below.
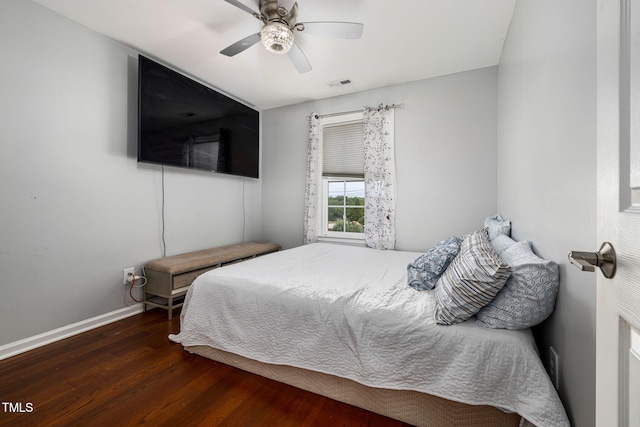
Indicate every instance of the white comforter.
{"type": "Point", "coordinates": [347, 311]}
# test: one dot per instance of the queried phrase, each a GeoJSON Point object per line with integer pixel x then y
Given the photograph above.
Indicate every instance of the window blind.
{"type": "Point", "coordinates": [343, 150]}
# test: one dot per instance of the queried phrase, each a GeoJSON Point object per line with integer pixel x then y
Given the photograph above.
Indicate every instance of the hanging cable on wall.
{"type": "Point", "coordinates": [244, 213]}
{"type": "Point", "coordinates": [164, 243]}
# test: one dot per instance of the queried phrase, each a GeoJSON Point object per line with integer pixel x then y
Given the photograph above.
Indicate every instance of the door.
{"type": "Point", "coordinates": [618, 150]}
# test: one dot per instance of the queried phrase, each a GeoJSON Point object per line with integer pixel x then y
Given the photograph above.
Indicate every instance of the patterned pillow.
{"type": "Point", "coordinates": [424, 272]}
{"type": "Point", "coordinates": [529, 295]}
{"type": "Point", "coordinates": [472, 280]}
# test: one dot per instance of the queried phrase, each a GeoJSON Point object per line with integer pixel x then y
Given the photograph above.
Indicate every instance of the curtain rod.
{"type": "Point", "coordinates": [357, 111]}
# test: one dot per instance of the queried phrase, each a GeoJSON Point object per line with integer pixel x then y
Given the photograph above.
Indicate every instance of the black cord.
{"type": "Point", "coordinates": [164, 243]}
{"type": "Point", "coordinates": [244, 214]}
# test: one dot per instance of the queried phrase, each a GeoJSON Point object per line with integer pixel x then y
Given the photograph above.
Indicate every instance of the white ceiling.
{"type": "Point", "coordinates": [402, 41]}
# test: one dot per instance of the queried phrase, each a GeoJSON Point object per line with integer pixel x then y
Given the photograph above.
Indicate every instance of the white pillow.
{"type": "Point", "coordinates": [497, 226]}
{"type": "Point", "coordinates": [529, 296]}
{"type": "Point", "coordinates": [472, 280]}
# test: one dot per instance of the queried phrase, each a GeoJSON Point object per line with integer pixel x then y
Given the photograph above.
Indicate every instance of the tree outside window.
{"type": "Point", "coordinates": [345, 205]}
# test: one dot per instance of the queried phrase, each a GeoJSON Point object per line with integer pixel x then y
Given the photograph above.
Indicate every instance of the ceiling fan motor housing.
{"type": "Point", "coordinates": [272, 12]}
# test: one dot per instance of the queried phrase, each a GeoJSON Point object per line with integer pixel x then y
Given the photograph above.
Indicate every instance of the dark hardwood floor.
{"type": "Point", "coordinates": [129, 373]}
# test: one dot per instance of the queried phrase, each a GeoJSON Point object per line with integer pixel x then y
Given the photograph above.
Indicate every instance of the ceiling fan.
{"type": "Point", "coordinates": [279, 19]}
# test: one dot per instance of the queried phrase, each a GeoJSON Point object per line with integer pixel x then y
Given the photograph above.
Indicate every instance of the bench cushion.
{"type": "Point", "coordinates": [177, 264]}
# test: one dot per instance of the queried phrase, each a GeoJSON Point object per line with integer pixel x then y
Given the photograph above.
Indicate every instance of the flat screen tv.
{"type": "Point", "coordinates": [184, 123]}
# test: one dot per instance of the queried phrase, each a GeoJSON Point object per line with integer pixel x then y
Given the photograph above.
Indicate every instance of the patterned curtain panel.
{"type": "Point", "coordinates": [379, 178]}
{"type": "Point", "coordinates": [311, 193]}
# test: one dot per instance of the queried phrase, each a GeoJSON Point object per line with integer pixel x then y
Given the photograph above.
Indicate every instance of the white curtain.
{"type": "Point", "coordinates": [379, 177]}
{"type": "Point", "coordinates": [311, 193]}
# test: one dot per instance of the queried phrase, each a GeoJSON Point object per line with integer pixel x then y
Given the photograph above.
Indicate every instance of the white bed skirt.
{"type": "Point", "coordinates": [411, 407]}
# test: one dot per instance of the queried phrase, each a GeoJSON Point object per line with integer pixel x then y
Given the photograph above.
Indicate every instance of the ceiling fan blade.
{"type": "Point", "coordinates": [241, 45]}
{"type": "Point", "coordinates": [239, 5]}
{"type": "Point", "coordinates": [299, 60]}
{"type": "Point", "coordinates": [339, 30]}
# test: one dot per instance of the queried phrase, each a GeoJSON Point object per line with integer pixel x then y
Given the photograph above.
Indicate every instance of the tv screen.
{"type": "Point", "coordinates": [186, 124]}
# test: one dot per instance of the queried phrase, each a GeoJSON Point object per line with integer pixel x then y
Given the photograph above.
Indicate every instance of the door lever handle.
{"type": "Point", "coordinates": [585, 261]}
{"type": "Point", "coordinates": [605, 259]}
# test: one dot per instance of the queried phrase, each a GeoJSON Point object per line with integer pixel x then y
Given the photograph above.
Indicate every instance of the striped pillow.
{"type": "Point", "coordinates": [472, 280]}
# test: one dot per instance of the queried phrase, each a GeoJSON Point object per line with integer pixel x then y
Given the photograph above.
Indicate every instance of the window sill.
{"type": "Point", "coordinates": [353, 241]}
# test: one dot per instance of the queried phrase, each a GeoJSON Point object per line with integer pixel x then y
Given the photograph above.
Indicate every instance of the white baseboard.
{"type": "Point", "coordinates": [24, 345]}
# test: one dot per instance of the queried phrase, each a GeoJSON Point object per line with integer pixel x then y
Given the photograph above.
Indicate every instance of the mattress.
{"type": "Point", "coordinates": [348, 312]}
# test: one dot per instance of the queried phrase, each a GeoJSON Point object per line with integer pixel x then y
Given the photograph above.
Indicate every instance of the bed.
{"type": "Point", "coordinates": [341, 321]}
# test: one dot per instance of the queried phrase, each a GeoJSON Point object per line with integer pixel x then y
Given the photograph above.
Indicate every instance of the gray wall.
{"type": "Point", "coordinates": [76, 207]}
{"type": "Point", "coordinates": [445, 157]}
{"type": "Point", "coordinates": [547, 171]}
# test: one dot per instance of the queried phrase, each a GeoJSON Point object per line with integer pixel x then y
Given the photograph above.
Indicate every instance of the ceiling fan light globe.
{"type": "Point", "coordinates": [276, 38]}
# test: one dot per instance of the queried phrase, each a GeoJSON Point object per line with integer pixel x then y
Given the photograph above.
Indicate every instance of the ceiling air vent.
{"type": "Point", "coordinates": [339, 82]}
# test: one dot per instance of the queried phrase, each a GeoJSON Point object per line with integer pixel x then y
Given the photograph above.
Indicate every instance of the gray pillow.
{"type": "Point", "coordinates": [472, 280]}
{"type": "Point", "coordinates": [424, 272]}
{"type": "Point", "coordinates": [501, 243]}
{"type": "Point", "coordinates": [529, 296]}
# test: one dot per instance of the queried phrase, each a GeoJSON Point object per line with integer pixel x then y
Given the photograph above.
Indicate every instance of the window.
{"type": "Point", "coordinates": [342, 198]}
{"type": "Point", "coordinates": [345, 205]}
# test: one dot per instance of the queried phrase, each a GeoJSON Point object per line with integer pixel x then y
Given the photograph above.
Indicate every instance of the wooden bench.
{"type": "Point", "coordinates": [169, 278]}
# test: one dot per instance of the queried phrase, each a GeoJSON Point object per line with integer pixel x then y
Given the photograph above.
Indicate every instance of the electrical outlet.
{"type": "Point", "coordinates": [125, 275]}
{"type": "Point", "coordinates": [554, 368]}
